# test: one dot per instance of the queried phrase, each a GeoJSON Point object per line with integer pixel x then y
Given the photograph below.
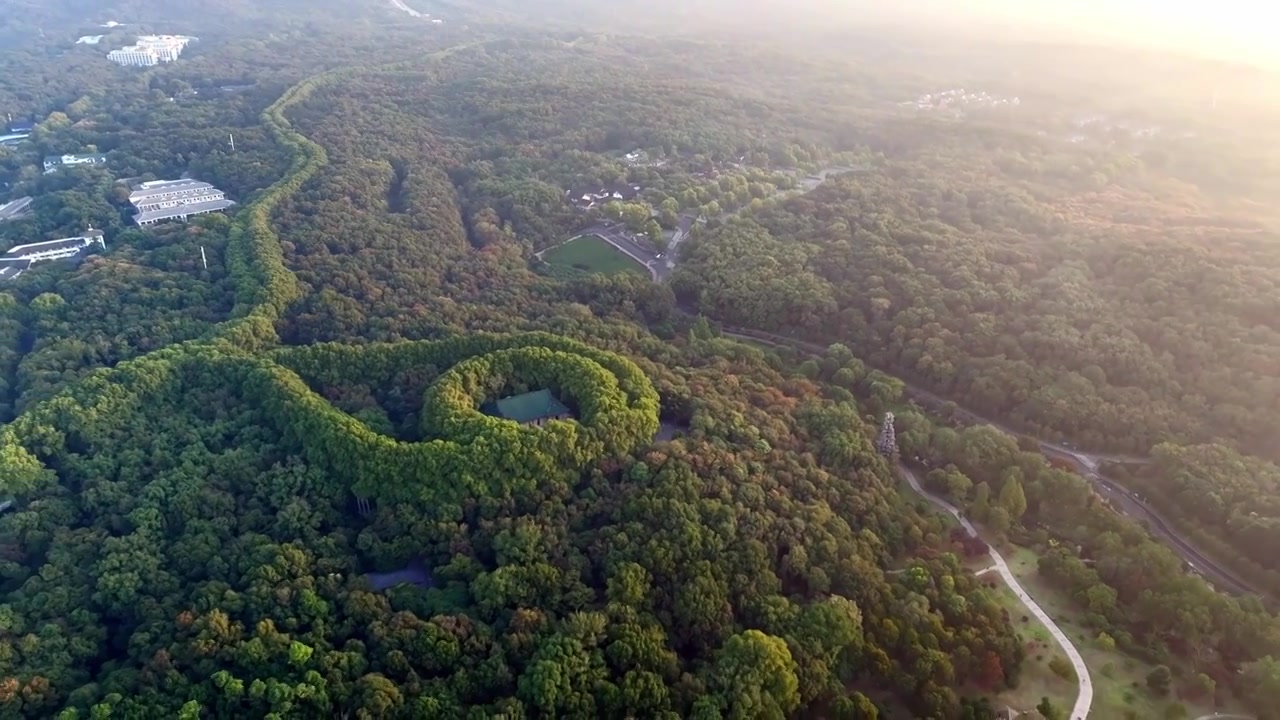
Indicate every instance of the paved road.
{"type": "Point", "coordinates": [1133, 506]}
{"type": "Point", "coordinates": [661, 265]}
{"type": "Point", "coordinates": [617, 236]}
{"type": "Point", "coordinates": [1088, 464]}
{"type": "Point", "coordinates": [1084, 700]}
{"type": "Point", "coordinates": [406, 8]}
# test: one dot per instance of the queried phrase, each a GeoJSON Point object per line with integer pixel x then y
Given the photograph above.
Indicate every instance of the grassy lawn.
{"type": "Point", "coordinates": [592, 254]}
{"type": "Point", "coordinates": [1037, 680]}
{"type": "Point", "coordinates": [1119, 680]}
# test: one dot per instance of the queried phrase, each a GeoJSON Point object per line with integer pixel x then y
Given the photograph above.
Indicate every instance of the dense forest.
{"type": "Point", "coordinates": [1086, 314]}
{"type": "Point", "coordinates": [1226, 500]}
{"type": "Point", "coordinates": [543, 595]}
{"type": "Point", "coordinates": [1125, 584]}
{"type": "Point", "coordinates": [214, 468]}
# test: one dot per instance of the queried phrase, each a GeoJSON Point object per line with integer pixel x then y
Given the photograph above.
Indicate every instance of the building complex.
{"type": "Point", "coordinates": [588, 198]}
{"type": "Point", "coordinates": [19, 130]}
{"type": "Point", "coordinates": [161, 200]}
{"type": "Point", "coordinates": [150, 50]}
{"type": "Point", "coordinates": [20, 257]}
{"type": "Point", "coordinates": [53, 162]}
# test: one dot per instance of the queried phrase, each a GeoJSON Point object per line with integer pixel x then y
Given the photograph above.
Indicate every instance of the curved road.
{"type": "Point", "coordinates": [1084, 700]}
{"type": "Point", "coordinates": [1126, 502]}
{"type": "Point", "coordinates": [1087, 463]}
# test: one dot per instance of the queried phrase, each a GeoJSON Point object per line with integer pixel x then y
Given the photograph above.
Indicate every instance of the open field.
{"type": "Point", "coordinates": [1119, 680]}
{"type": "Point", "coordinates": [592, 254]}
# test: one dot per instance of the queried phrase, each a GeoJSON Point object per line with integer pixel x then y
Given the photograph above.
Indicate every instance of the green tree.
{"type": "Point", "coordinates": [1106, 642]}
{"type": "Point", "coordinates": [1012, 499]}
{"type": "Point", "coordinates": [980, 508]}
{"type": "Point", "coordinates": [755, 677]}
{"type": "Point", "coordinates": [1160, 679]}
{"type": "Point", "coordinates": [1261, 680]}
{"type": "Point", "coordinates": [1062, 667]}
{"type": "Point", "coordinates": [998, 520]}
{"type": "Point", "coordinates": [1048, 710]}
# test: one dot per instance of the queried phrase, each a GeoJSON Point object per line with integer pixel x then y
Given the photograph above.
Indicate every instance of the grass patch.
{"type": "Point", "coordinates": [590, 253]}
{"type": "Point", "coordinates": [1119, 680]}
{"type": "Point", "coordinates": [1036, 680]}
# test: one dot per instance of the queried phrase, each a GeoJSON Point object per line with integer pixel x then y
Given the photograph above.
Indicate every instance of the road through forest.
{"type": "Point", "coordinates": [1087, 463]}
{"type": "Point", "coordinates": [1084, 699]}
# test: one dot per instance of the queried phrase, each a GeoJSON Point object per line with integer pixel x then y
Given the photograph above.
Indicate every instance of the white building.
{"type": "Point", "coordinates": [15, 209]}
{"type": "Point", "coordinates": [161, 200]}
{"type": "Point", "coordinates": [53, 162]}
{"type": "Point", "coordinates": [150, 50]}
{"type": "Point", "coordinates": [20, 257]}
{"type": "Point", "coordinates": [167, 47]}
{"type": "Point", "coordinates": [134, 56]}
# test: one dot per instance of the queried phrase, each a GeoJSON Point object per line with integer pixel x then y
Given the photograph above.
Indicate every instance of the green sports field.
{"type": "Point", "coordinates": [592, 254]}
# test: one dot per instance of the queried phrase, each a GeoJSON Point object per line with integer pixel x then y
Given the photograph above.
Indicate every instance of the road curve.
{"type": "Point", "coordinates": [1126, 502]}
{"type": "Point", "coordinates": [1084, 700]}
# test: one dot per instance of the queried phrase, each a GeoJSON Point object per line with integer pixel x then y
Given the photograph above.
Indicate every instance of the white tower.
{"type": "Point", "coordinates": [887, 441]}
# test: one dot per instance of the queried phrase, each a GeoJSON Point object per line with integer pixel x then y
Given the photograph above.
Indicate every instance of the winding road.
{"type": "Point", "coordinates": [400, 4]}
{"type": "Point", "coordinates": [1084, 700]}
{"type": "Point", "coordinates": [1088, 464]}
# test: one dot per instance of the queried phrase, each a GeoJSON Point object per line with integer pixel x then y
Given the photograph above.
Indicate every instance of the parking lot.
{"type": "Point", "coordinates": [639, 250]}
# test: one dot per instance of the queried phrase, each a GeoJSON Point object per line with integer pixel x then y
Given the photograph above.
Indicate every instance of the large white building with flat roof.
{"type": "Point", "coordinates": [161, 200]}
{"type": "Point", "coordinates": [20, 257]}
{"type": "Point", "coordinates": [150, 50]}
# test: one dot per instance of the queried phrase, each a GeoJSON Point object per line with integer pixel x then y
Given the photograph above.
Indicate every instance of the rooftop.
{"type": "Point", "coordinates": [144, 39]}
{"type": "Point", "coordinates": [160, 187]}
{"type": "Point", "coordinates": [191, 208]}
{"type": "Point", "coordinates": [17, 251]}
{"type": "Point", "coordinates": [73, 158]}
{"type": "Point", "coordinates": [528, 407]}
{"type": "Point", "coordinates": [10, 269]}
{"type": "Point", "coordinates": [15, 209]}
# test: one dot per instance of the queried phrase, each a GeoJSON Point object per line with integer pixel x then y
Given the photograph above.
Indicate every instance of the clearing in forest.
{"type": "Point", "coordinates": [592, 254]}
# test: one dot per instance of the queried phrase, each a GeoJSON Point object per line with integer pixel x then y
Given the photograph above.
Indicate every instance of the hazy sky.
{"type": "Point", "coordinates": [1241, 29]}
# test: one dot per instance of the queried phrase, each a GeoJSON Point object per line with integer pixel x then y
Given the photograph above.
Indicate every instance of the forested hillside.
{"type": "Point", "coordinates": [188, 539]}
{"type": "Point", "coordinates": [1074, 306]}
{"type": "Point", "coordinates": [264, 487]}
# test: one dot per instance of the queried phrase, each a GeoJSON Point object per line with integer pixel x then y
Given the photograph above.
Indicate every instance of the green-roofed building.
{"type": "Point", "coordinates": [531, 408]}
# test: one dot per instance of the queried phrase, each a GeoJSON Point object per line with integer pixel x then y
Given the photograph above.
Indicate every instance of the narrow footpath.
{"type": "Point", "coordinates": [1084, 700]}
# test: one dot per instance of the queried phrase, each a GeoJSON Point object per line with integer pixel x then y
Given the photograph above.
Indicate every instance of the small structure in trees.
{"type": "Point", "coordinates": [531, 408]}
{"type": "Point", "coordinates": [887, 441]}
